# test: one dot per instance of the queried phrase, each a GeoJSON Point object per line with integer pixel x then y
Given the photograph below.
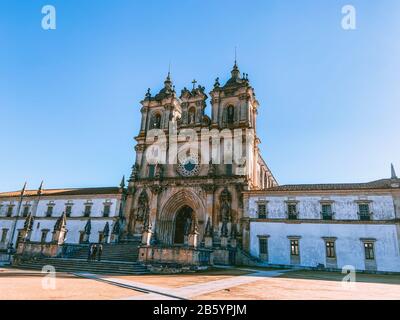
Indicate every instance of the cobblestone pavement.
{"type": "Point", "coordinates": [227, 283]}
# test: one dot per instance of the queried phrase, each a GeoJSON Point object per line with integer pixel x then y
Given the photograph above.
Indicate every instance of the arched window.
{"type": "Point", "coordinates": [230, 114]}
{"type": "Point", "coordinates": [191, 115]}
{"type": "Point", "coordinates": [156, 121]}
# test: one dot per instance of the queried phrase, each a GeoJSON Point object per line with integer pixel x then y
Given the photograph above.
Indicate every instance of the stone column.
{"type": "Point", "coordinates": [193, 239]}
{"type": "Point", "coordinates": [146, 236]}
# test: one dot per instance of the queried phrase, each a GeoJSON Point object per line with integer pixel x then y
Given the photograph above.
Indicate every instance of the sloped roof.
{"type": "Point", "coordinates": [63, 192]}
{"type": "Point", "coordinates": [377, 184]}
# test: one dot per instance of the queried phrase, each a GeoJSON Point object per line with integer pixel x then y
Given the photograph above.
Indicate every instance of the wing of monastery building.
{"type": "Point", "coordinates": [199, 194]}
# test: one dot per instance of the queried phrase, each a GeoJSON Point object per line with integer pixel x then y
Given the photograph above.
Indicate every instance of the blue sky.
{"type": "Point", "coordinates": [69, 98]}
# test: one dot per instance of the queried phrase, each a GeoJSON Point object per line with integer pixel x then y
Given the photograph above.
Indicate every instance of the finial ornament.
{"type": "Point", "coordinates": [23, 189]}
{"type": "Point", "coordinates": [216, 84]}
{"type": "Point", "coordinates": [122, 184]}
{"type": "Point", "coordinates": [148, 93]}
{"type": "Point", "coordinates": [39, 191]}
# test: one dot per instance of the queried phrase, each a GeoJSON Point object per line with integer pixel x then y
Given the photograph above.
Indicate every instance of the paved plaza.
{"type": "Point", "coordinates": [220, 283]}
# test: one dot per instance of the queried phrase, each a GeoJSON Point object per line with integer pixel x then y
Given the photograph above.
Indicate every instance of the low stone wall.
{"type": "Point", "coordinates": [185, 256]}
{"type": "Point", "coordinates": [35, 249]}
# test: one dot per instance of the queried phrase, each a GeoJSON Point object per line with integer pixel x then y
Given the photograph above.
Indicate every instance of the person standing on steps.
{"type": "Point", "coordinates": [90, 252]}
{"type": "Point", "coordinates": [94, 252]}
{"type": "Point", "coordinates": [100, 249]}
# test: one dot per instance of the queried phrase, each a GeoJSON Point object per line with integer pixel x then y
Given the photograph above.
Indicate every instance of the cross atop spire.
{"type": "Point", "coordinates": [393, 173]}
{"type": "Point", "coordinates": [194, 83]}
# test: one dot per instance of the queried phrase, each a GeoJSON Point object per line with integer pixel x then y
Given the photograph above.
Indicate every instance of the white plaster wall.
{"type": "Point", "coordinates": [74, 224]}
{"type": "Point", "coordinates": [349, 247]}
{"type": "Point", "coordinates": [78, 206]}
{"type": "Point", "coordinates": [345, 207]}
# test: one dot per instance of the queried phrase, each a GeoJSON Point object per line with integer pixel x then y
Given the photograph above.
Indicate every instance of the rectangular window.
{"type": "Point", "coordinates": [292, 210]}
{"type": "Point", "coordinates": [229, 169]}
{"type": "Point", "coordinates": [26, 211]}
{"type": "Point", "coordinates": [363, 209]}
{"type": "Point", "coordinates": [10, 211]}
{"type": "Point", "coordinates": [106, 210]}
{"type": "Point", "coordinates": [330, 249]}
{"type": "Point", "coordinates": [4, 235]}
{"type": "Point", "coordinates": [263, 243]}
{"type": "Point", "coordinates": [151, 170]}
{"type": "Point", "coordinates": [294, 247]}
{"type": "Point", "coordinates": [262, 210]}
{"type": "Point", "coordinates": [49, 211]}
{"type": "Point", "coordinates": [326, 211]}
{"type": "Point", "coordinates": [88, 210]}
{"type": "Point", "coordinates": [369, 250]}
{"type": "Point", "coordinates": [68, 210]}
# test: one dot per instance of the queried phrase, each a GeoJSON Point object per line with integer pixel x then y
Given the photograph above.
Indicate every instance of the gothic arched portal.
{"type": "Point", "coordinates": [183, 222]}
{"type": "Point", "coordinates": [170, 213]}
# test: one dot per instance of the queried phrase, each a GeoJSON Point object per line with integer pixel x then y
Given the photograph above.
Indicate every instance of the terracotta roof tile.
{"type": "Point", "coordinates": [63, 192]}
{"type": "Point", "coordinates": [378, 184]}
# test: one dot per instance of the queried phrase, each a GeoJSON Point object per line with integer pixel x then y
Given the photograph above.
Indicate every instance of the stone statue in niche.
{"type": "Point", "coordinates": [191, 116]}
{"type": "Point", "coordinates": [225, 211]}
{"type": "Point", "coordinates": [143, 207]}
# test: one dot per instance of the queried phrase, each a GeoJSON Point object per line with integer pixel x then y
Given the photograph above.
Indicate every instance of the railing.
{"type": "Point", "coordinates": [247, 255]}
{"type": "Point", "coordinates": [292, 215]}
{"type": "Point", "coordinates": [262, 215]}
{"type": "Point", "coordinates": [364, 216]}
{"type": "Point", "coordinates": [327, 216]}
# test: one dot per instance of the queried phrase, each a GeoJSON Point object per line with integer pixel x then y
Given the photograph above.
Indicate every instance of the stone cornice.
{"type": "Point", "coordinates": [320, 221]}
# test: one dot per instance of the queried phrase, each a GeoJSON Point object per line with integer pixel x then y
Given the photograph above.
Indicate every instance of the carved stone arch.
{"type": "Point", "coordinates": [165, 226]}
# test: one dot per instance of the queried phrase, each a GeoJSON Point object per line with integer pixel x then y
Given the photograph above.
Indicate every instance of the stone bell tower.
{"type": "Point", "coordinates": [195, 201]}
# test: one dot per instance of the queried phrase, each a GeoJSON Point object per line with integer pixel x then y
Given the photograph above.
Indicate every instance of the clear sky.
{"type": "Point", "coordinates": [69, 98]}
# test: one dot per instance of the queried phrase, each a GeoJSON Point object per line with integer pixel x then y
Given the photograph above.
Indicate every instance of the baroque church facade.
{"type": "Point", "coordinates": [200, 193]}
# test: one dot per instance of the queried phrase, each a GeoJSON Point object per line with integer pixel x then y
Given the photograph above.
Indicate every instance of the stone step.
{"type": "Point", "coordinates": [76, 265]}
{"type": "Point", "coordinates": [114, 252]}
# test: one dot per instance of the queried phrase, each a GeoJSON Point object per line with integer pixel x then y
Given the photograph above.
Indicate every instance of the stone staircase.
{"type": "Point", "coordinates": [115, 258]}
{"type": "Point", "coordinates": [113, 252]}
{"type": "Point", "coordinates": [80, 265]}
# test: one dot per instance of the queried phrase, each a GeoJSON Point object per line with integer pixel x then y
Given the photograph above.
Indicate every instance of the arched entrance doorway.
{"type": "Point", "coordinates": [183, 222]}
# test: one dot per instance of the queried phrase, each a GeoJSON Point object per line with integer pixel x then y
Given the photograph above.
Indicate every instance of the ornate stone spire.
{"type": "Point", "coordinates": [116, 227]}
{"type": "Point", "coordinates": [168, 82]}
{"type": "Point", "coordinates": [23, 190]}
{"type": "Point", "coordinates": [88, 226]}
{"type": "Point", "coordinates": [61, 222]}
{"type": "Point", "coordinates": [39, 191]}
{"type": "Point", "coordinates": [235, 72]}
{"type": "Point", "coordinates": [393, 173]}
{"type": "Point", "coordinates": [208, 231]}
{"type": "Point", "coordinates": [122, 184]}
{"type": "Point", "coordinates": [106, 230]}
{"type": "Point", "coordinates": [28, 224]}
